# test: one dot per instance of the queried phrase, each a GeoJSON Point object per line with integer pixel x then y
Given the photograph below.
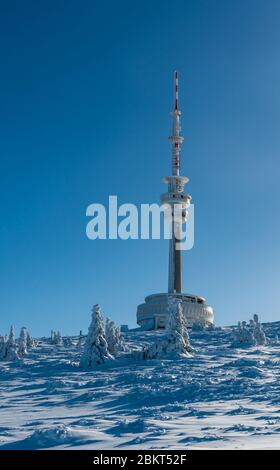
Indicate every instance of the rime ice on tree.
{"type": "Point", "coordinates": [243, 335]}
{"type": "Point", "coordinates": [259, 333]}
{"type": "Point", "coordinates": [177, 326]}
{"type": "Point", "coordinates": [249, 335]}
{"type": "Point", "coordinates": [56, 338]}
{"type": "Point", "coordinates": [113, 337]}
{"type": "Point", "coordinates": [176, 341]}
{"type": "Point", "coordinates": [177, 336]}
{"type": "Point", "coordinates": [9, 347]}
{"type": "Point", "coordinates": [31, 342]}
{"type": "Point", "coordinates": [2, 347]}
{"type": "Point", "coordinates": [96, 347]}
{"type": "Point", "coordinates": [22, 343]}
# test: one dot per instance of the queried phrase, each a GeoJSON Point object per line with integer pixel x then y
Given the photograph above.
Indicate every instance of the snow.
{"type": "Point", "coordinates": [221, 397]}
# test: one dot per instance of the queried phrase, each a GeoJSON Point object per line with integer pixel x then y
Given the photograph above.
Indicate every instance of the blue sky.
{"type": "Point", "coordinates": [86, 92]}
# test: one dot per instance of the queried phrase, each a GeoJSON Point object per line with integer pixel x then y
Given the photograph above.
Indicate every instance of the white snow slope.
{"type": "Point", "coordinates": [220, 398]}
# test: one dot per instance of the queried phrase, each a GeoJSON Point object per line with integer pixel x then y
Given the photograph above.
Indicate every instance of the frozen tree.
{"type": "Point", "coordinates": [114, 338]}
{"type": "Point", "coordinates": [177, 328]}
{"type": "Point", "coordinates": [10, 347]}
{"type": "Point", "coordinates": [56, 338]}
{"type": "Point", "coordinates": [22, 343]}
{"type": "Point", "coordinates": [260, 336]}
{"type": "Point", "coordinates": [237, 333]}
{"type": "Point", "coordinates": [176, 341]}
{"type": "Point", "coordinates": [31, 342]}
{"type": "Point", "coordinates": [2, 346]}
{"type": "Point", "coordinates": [52, 336]}
{"type": "Point", "coordinates": [96, 347]}
{"type": "Point", "coordinates": [155, 350]}
{"type": "Point", "coordinates": [243, 335]}
{"type": "Point", "coordinates": [249, 335]}
{"type": "Point", "coordinates": [110, 335]}
{"type": "Point", "coordinates": [121, 346]}
{"type": "Point", "coordinates": [258, 332]}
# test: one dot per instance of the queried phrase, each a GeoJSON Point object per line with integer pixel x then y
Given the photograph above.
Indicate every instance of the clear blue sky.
{"type": "Point", "coordinates": [85, 99]}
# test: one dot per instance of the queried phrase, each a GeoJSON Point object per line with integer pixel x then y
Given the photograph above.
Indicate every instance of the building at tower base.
{"type": "Point", "coordinates": [153, 314]}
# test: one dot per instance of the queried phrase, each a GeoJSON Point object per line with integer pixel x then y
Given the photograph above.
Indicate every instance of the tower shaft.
{"type": "Point", "coordinates": [175, 197]}
{"type": "Point", "coordinates": [175, 267]}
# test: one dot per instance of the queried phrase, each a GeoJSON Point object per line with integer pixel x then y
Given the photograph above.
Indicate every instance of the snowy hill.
{"type": "Point", "coordinates": [220, 398]}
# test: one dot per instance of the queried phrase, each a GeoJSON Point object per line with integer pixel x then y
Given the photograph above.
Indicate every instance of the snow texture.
{"type": "Point", "coordinates": [221, 397]}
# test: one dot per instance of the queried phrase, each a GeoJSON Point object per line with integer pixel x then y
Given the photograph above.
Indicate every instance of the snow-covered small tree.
{"type": "Point", "coordinates": [2, 347]}
{"type": "Point", "coordinates": [258, 332]}
{"type": "Point", "coordinates": [260, 335]}
{"type": "Point", "coordinates": [22, 343]}
{"type": "Point", "coordinates": [249, 335]}
{"type": "Point", "coordinates": [177, 328]}
{"type": "Point", "coordinates": [121, 346]}
{"type": "Point", "coordinates": [155, 350]}
{"type": "Point", "coordinates": [110, 335]}
{"type": "Point", "coordinates": [96, 347]}
{"type": "Point", "coordinates": [52, 336]}
{"type": "Point", "coordinates": [245, 335]}
{"type": "Point", "coordinates": [56, 338]}
{"type": "Point", "coordinates": [176, 341]}
{"type": "Point", "coordinates": [10, 348]}
{"type": "Point", "coordinates": [114, 338]}
{"type": "Point", "coordinates": [31, 342]}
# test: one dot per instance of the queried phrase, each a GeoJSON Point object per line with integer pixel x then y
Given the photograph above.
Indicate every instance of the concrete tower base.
{"type": "Point", "coordinates": [153, 314]}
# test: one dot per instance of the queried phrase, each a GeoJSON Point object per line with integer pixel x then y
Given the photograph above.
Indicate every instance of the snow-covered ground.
{"type": "Point", "coordinates": [220, 398]}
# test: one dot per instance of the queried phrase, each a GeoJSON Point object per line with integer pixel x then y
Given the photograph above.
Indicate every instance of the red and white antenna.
{"type": "Point", "coordinates": [176, 91]}
{"type": "Point", "coordinates": [176, 138]}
